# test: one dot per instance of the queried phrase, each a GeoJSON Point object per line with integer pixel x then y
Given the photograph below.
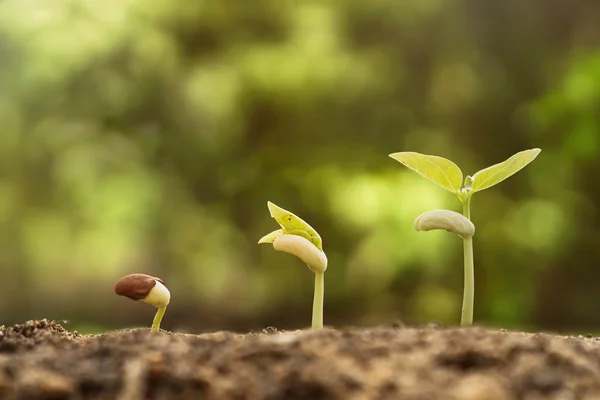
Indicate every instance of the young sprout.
{"type": "Point", "coordinates": [446, 174]}
{"type": "Point", "coordinates": [300, 239]}
{"type": "Point", "coordinates": [149, 289]}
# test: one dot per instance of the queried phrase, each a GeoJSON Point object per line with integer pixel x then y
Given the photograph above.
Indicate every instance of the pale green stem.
{"type": "Point", "coordinates": [469, 289]}
{"type": "Point", "coordinates": [158, 318]}
{"type": "Point", "coordinates": [317, 314]}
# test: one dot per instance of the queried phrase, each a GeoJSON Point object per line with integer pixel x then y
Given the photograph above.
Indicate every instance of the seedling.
{"type": "Point", "coordinates": [448, 175]}
{"type": "Point", "coordinates": [149, 289]}
{"type": "Point", "coordinates": [300, 239]}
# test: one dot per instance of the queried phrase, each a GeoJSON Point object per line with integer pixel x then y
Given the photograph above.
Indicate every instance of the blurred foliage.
{"type": "Point", "coordinates": [142, 136]}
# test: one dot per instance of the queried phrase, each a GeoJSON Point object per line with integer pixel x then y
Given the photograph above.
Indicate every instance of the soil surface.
{"type": "Point", "coordinates": [42, 360]}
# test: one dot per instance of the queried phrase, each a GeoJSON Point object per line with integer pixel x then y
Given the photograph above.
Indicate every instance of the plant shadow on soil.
{"type": "Point", "coordinates": [42, 360]}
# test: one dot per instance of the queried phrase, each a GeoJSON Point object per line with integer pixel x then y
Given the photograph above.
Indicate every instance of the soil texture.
{"type": "Point", "coordinates": [42, 360]}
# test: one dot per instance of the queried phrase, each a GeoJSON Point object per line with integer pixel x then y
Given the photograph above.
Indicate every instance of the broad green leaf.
{"type": "Point", "coordinates": [497, 173]}
{"type": "Point", "coordinates": [437, 169]}
{"type": "Point", "coordinates": [270, 238]}
{"type": "Point", "coordinates": [294, 225]}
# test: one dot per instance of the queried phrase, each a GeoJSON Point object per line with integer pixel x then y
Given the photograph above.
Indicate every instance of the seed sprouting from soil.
{"type": "Point", "coordinates": [147, 288]}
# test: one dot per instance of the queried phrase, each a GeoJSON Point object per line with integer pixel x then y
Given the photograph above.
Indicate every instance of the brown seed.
{"type": "Point", "coordinates": [136, 286]}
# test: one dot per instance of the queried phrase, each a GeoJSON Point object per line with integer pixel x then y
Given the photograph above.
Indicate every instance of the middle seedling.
{"type": "Point", "coordinates": [300, 239]}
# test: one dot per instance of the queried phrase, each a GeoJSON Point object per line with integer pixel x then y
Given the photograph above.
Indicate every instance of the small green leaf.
{"type": "Point", "coordinates": [294, 225]}
{"type": "Point", "coordinates": [497, 173]}
{"type": "Point", "coordinates": [437, 169]}
{"type": "Point", "coordinates": [270, 238]}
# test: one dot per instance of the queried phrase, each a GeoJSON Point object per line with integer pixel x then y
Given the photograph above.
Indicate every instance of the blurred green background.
{"type": "Point", "coordinates": [147, 136]}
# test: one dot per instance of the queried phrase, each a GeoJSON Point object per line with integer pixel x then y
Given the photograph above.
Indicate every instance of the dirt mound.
{"type": "Point", "coordinates": [32, 333]}
{"type": "Point", "coordinates": [44, 361]}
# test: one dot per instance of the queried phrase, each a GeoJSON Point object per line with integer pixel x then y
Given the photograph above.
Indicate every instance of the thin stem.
{"type": "Point", "coordinates": [317, 313]}
{"type": "Point", "coordinates": [469, 285]}
{"type": "Point", "coordinates": [467, 207]}
{"type": "Point", "coordinates": [158, 318]}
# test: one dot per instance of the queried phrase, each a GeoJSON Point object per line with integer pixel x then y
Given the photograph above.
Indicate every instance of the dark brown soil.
{"type": "Point", "coordinates": [41, 360]}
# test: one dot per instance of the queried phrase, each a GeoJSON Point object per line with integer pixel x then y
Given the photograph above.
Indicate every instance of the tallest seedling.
{"type": "Point", "coordinates": [446, 174]}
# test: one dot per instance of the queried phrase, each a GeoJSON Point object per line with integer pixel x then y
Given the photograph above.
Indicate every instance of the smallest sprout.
{"type": "Point", "coordinates": [147, 288]}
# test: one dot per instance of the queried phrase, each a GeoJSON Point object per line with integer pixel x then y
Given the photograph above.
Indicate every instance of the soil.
{"type": "Point", "coordinates": [42, 360]}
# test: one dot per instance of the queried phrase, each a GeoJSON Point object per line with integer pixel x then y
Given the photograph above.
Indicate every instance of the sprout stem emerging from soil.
{"type": "Point", "coordinates": [150, 290]}
{"type": "Point", "coordinates": [158, 318]}
{"type": "Point", "coordinates": [466, 316]}
{"type": "Point", "coordinates": [300, 239]}
{"type": "Point", "coordinates": [317, 313]}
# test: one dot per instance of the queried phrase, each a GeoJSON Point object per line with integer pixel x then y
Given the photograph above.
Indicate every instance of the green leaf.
{"type": "Point", "coordinates": [270, 238]}
{"type": "Point", "coordinates": [293, 225]}
{"type": "Point", "coordinates": [437, 169]}
{"type": "Point", "coordinates": [497, 173]}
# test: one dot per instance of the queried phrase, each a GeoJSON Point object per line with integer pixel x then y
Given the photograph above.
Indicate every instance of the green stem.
{"type": "Point", "coordinates": [317, 313]}
{"type": "Point", "coordinates": [158, 318]}
{"type": "Point", "coordinates": [469, 286]}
